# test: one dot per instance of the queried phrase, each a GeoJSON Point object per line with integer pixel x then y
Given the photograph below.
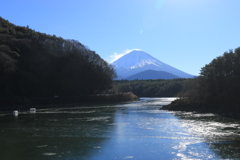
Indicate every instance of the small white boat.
{"type": "Point", "coordinates": [33, 110]}
{"type": "Point", "coordinates": [15, 112]}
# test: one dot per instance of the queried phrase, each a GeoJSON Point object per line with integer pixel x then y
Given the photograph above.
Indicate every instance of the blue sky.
{"type": "Point", "coordinates": [186, 34]}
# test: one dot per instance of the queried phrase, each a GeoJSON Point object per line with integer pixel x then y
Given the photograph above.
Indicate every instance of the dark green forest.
{"type": "Point", "coordinates": [153, 88]}
{"type": "Point", "coordinates": [217, 89]}
{"type": "Point", "coordinates": [34, 64]}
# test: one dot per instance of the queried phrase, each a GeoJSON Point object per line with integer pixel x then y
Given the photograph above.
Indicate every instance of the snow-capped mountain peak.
{"type": "Point", "coordinates": [137, 61]}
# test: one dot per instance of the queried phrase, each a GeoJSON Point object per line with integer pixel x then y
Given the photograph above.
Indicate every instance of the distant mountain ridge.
{"type": "Point", "coordinates": [138, 61]}
{"type": "Point", "coordinates": [151, 74]}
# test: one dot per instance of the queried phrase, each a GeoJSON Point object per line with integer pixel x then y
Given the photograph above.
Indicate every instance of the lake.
{"type": "Point", "coordinates": [135, 130]}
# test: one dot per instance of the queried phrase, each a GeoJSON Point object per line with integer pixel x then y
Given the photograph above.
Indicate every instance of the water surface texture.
{"type": "Point", "coordinates": [136, 130]}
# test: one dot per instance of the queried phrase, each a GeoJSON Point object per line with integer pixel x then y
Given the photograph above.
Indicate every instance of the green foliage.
{"type": "Point", "coordinates": [220, 80]}
{"type": "Point", "coordinates": [36, 64]}
{"type": "Point", "coordinates": [152, 88]}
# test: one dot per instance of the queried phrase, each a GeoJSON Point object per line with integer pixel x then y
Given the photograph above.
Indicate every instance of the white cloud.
{"type": "Point", "coordinates": [116, 56]}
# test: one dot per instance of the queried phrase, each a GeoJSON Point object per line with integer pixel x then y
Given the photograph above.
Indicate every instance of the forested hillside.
{"type": "Point", "coordinates": [34, 64]}
{"type": "Point", "coordinates": [217, 89]}
{"type": "Point", "coordinates": [153, 88]}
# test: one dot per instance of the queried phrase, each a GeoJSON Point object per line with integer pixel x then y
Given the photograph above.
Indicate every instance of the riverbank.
{"type": "Point", "coordinates": [15, 103]}
{"type": "Point", "coordinates": [187, 106]}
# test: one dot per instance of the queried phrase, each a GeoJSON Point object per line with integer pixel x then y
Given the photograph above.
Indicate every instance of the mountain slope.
{"type": "Point", "coordinates": [151, 74]}
{"type": "Point", "coordinates": [137, 61]}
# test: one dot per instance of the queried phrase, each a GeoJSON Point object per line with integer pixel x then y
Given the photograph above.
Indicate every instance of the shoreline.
{"type": "Point", "coordinates": [18, 103]}
{"type": "Point", "coordinates": [186, 106]}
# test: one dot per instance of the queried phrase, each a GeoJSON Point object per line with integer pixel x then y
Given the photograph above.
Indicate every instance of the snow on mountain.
{"type": "Point", "coordinates": [137, 61]}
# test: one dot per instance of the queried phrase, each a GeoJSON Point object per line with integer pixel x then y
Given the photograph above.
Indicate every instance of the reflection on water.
{"type": "Point", "coordinates": [221, 134]}
{"type": "Point", "coordinates": [137, 130]}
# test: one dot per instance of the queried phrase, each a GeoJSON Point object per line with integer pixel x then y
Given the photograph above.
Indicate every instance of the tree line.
{"type": "Point", "coordinates": [219, 81]}
{"type": "Point", "coordinates": [152, 88]}
{"type": "Point", "coordinates": [34, 64]}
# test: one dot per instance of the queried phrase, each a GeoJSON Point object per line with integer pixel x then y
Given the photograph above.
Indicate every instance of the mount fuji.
{"type": "Point", "coordinates": [141, 65]}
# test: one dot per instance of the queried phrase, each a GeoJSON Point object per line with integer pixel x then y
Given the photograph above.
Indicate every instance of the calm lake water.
{"type": "Point", "coordinates": [136, 130]}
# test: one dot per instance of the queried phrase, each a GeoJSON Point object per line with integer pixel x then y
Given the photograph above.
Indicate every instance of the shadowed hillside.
{"type": "Point", "coordinates": [34, 64]}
